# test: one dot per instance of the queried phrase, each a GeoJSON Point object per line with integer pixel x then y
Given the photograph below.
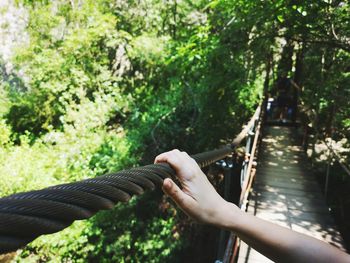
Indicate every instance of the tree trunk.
{"type": "Point", "coordinates": [285, 64]}
{"type": "Point", "coordinates": [298, 80]}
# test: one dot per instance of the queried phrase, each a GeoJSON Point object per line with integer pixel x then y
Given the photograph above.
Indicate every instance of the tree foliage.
{"type": "Point", "coordinates": [106, 85]}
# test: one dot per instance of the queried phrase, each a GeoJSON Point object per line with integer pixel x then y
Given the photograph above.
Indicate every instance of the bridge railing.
{"type": "Point", "coordinates": [27, 215]}
{"type": "Point", "coordinates": [332, 155]}
{"type": "Point", "coordinates": [228, 248]}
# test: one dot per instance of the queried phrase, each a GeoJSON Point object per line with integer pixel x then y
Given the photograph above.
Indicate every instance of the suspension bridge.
{"type": "Point", "coordinates": [285, 192]}
{"type": "Point", "coordinates": [275, 184]}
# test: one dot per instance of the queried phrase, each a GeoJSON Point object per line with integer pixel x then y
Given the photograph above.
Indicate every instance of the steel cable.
{"type": "Point", "coordinates": [25, 216]}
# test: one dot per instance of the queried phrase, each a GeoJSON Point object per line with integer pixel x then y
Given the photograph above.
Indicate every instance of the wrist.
{"type": "Point", "coordinates": [230, 216]}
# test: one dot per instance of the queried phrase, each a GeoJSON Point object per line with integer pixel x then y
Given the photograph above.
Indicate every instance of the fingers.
{"type": "Point", "coordinates": [175, 158]}
{"type": "Point", "coordinates": [184, 201]}
{"type": "Point", "coordinates": [172, 157]}
{"type": "Point", "coordinates": [197, 198]}
{"type": "Point", "coordinates": [185, 167]}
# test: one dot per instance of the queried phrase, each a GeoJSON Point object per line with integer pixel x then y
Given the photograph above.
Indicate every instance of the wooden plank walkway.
{"type": "Point", "coordinates": [285, 194]}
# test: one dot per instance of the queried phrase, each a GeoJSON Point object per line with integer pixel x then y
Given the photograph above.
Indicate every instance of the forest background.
{"type": "Point", "coordinates": [93, 86]}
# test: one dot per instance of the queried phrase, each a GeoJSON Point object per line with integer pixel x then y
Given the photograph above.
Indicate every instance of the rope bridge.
{"type": "Point", "coordinates": [25, 216]}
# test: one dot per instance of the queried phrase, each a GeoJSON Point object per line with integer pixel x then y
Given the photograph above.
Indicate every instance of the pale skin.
{"type": "Point", "coordinates": [198, 199]}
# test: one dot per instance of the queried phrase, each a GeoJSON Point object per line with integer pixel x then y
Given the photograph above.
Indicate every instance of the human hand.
{"type": "Point", "coordinates": [197, 198]}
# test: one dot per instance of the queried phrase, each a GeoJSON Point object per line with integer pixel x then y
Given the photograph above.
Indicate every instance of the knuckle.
{"type": "Point", "coordinates": [185, 154]}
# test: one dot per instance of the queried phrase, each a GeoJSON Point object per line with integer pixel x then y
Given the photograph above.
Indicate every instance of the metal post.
{"type": "Point", "coordinates": [328, 169]}
{"type": "Point", "coordinates": [227, 178]}
{"type": "Point", "coordinates": [328, 165]}
{"type": "Point", "coordinates": [227, 192]}
{"type": "Point", "coordinates": [248, 147]}
{"type": "Point", "coordinates": [327, 175]}
{"type": "Point", "coordinates": [244, 168]}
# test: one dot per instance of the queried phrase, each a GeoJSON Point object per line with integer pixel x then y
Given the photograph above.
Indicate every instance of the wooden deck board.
{"type": "Point", "coordinates": [285, 193]}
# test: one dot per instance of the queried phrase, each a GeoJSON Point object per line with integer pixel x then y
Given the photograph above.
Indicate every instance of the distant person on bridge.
{"type": "Point", "coordinates": [199, 200]}
{"type": "Point", "coordinates": [284, 98]}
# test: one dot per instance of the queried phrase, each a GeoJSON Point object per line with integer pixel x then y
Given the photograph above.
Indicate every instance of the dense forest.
{"type": "Point", "coordinates": [94, 86]}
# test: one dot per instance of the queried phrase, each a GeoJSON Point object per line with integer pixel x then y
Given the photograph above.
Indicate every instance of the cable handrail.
{"type": "Point", "coordinates": [27, 215]}
{"type": "Point", "coordinates": [247, 177]}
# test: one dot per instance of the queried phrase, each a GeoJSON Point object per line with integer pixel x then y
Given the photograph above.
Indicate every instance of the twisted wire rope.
{"type": "Point", "coordinates": [27, 215]}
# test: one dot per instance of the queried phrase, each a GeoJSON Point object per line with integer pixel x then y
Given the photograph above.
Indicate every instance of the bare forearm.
{"type": "Point", "coordinates": [278, 243]}
{"type": "Point", "coordinates": [198, 199]}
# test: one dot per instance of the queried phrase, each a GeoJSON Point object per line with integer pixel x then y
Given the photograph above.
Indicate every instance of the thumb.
{"type": "Point", "coordinates": [184, 201]}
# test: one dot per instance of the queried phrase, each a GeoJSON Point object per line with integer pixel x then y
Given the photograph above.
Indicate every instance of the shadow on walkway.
{"type": "Point", "coordinates": [286, 193]}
